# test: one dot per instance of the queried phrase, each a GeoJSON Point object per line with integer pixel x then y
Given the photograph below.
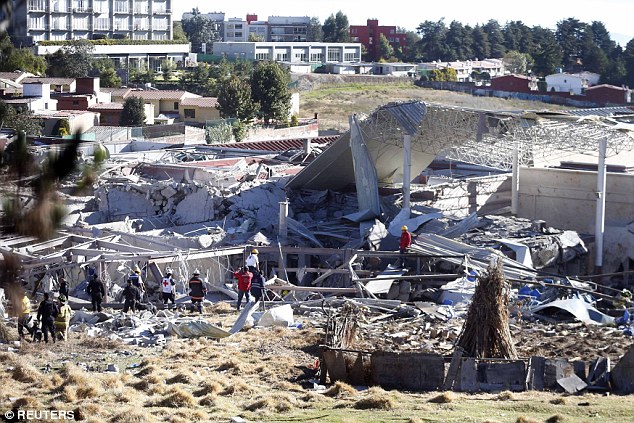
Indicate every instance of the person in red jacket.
{"type": "Point", "coordinates": [406, 241]}
{"type": "Point", "coordinates": [244, 284]}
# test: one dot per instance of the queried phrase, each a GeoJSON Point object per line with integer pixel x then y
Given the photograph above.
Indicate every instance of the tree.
{"type": "Point", "coordinates": [481, 47]}
{"type": "Point", "coordinates": [177, 32]}
{"type": "Point", "coordinates": [547, 53]}
{"type": "Point", "coordinates": [109, 78]}
{"type": "Point", "coordinates": [314, 31]}
{"type": "Point", "coordinates": [628, 59]}
{"type": "Point", "coordinates": [168, 67]}
{"type": "Point", "coordinates": [433, 44]}
{"type": "Point", "coordinates": [61, 128]}
{"type": "Point", "coordinates": [133, 113]}
{"type": "Point", "coordinates": [20, 119]}
{"type": "Point", "coordinates": [12, 59]}
{"type": "Point", "coordinates": [255, 38]}
{"type": "Point", "coordinates": [518, 37]}
{"type": "Point", "coordinates": [336, 29]}
{"type": "Point", "coordinates": [219, 133]}
{"type": "Point", "coordinates": [234, 99]}
{"type": "Point", "coordinates": [518, 63]}
{"type": "Point", "coordinates": [386, 51]}
{"type": "Point", "coordinates": [459, 40]}
{"type": "Point", "coordinates": [73, 60]}
{"type": "Point", "coordinates": [200, 30]}
{"type": "Point", "coordinates": [269, 88]}
{"type": "Point", "coordinates": [495, 37]}
{"type": "Point", "coordinates": [570, 35]}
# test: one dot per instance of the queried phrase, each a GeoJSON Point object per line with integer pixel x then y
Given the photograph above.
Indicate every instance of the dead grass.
{"type": "Point", "coordinates": [444, 398]}
{"type": "Point", "coordinates": [30, 403]}
{"type": "Point", "coordinates": [237, 387]}
{"type": "Point", "coordinates": [376, 399]}
{"type": "Point", "coordinates": [340, 389]}
{"type": "Point", "coordinates": [208, 400]}
{"type": "Point", "coordinates": [24, 372]}
{"type": "Point", "coordinates": [73, 375]}
{"type": "Point", "coordinates": [209, 388]}
{"type": "Point", "coordinates": [505, 396]}
{"type": "Point", "coordinates": [88, 391]}
{"type": "Point", "coordinates": [559, 401]}
{"type": "Point", "coordinates": [132, 415]}
{"type": "Point", "coordinates": [522, 419]}
{"type": "Point", "coordinates": [182, 377]}
{"type": "Point", "coordinates": [557, 418]}
{"type": "Point", "coordinates": [222, 307]}
{"type": "Point", "coordinates": [69, 393]}
{"type": "Point", "coordinates": [149, 369]}
{"type": "Point", "coordinates": [101, 343]}
{"type": "Point", "coordinates": [176, 397]}
{"type": "Point", "coordinates": [236, 367]}
{"type": "Point", "coordinates": [279, 403]}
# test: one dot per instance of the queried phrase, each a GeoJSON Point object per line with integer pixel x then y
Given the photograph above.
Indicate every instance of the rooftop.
{"type": "Point", "coordinates": [210, 102]}
{"type": "Point", "coordinates": [161, 95]}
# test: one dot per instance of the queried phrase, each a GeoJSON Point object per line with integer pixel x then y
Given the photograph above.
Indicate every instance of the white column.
{"type": "Point", "coordinates": [600, 215]}
{"type": "Point", "coordinates": [515, 182]}
{"type": "Point", "coordinates": [283, 223]}
{"type": "Point", "coordinates": [407, 168]}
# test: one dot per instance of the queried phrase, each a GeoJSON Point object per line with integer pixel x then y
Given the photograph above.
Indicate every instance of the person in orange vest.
{"type": "Point", "coordinates": [197, 291]}
{"type": "Point", "coordinates": [406, 241]}
{"type": "Point", "coordinates": [244, 284]}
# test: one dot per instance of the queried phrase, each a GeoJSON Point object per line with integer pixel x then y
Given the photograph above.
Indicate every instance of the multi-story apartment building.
{"type": "Point", "coordinates": [286, 29]}
{"type": "Point", "coordinates": [57, 20]}
{"type": "Point", "coordinates": [369, 35]}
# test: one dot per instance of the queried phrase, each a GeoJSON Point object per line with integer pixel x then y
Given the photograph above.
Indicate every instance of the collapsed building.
{"type": "Point", "coordinates": [326, 212]}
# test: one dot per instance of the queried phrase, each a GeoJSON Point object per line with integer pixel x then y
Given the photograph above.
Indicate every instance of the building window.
{"type": "Point", "coordinates": [75, 102]}
{"type": "Point", "coordinates": [350, 57]}
{"type": "Point", "coordinates": [190, 113]}
{"type": "Point", "coordinates": [261, 56]}
{"type": "Point", "coordinates": [281, 57]}
{"type": "Point", "coordinates": [176, 105]}
{"type": "Point", "coordinates": [334, 55]}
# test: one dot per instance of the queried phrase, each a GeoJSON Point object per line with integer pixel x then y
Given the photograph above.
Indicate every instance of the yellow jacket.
{"type": "Point", "coordinates": [63, 317]}
{"type": "Point", "coordinates": [26, 305]}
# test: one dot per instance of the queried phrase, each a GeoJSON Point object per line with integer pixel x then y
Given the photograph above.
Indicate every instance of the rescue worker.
{"type": "Point", "coordinates": [63, 287]}
{"type": "Point", "coordinates": [244, 284]}
{"type": "Point", "coordinates": [137, 281]}
{"type": "Point", "coordinates": [257, 286]}
{"type": "Point", "coordinates": [46, 314]}
{"type": "Point", "coordinates": [168, 287]}
{"type": "Point", "coordinates": [406, 241]}
{"type": "Point", "coordinates": [197, 291]}
{"type": "Point", "coordinates": [24, 316]}
{"type": "Point", "coordinates": [253, 263]}
{"type": "Point", "coordinates": [97, 291]}
{"type": "Point", "coordinates": [62, 321]}
{"type": "Point", "coordinates": [130, 297]}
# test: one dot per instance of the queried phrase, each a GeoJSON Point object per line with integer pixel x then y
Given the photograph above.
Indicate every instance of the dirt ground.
{"type": "Point", "coordinates": [262, 375]}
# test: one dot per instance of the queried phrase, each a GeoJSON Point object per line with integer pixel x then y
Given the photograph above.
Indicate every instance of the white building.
{"type": "Point", "coordinates": [464, 69]}
{"type": "Point", "coordinates": [57, 20]}
{"type": "Point", "coordinates": [573, 83]}
{"type": "Point", "coordinates": [292, 52]}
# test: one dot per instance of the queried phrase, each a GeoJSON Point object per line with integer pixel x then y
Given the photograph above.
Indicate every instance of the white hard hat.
{"type": "Point", "coordinates": [196, 272]}
{"type": "Point", "coordinates": [168, 270]}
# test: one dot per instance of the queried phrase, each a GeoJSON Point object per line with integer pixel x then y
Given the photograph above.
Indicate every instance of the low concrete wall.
{"type": "Point", "coordinates": [566, 199]}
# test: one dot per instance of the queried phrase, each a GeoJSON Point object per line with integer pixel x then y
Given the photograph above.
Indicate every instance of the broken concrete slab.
{"type": "Point", "coordinates": [572, 384]}
{"type": "Point", "coordinates": [554, 370]}
{"type": "Point", "coordinates": [622, 375]}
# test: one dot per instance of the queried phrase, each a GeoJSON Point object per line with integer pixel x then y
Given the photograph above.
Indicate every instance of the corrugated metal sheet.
{"type": "Point", "coordinates": [603, 111]}
{"type": "Point", "coordinates": [280, 145]}
{"type": "Point", "coordinates": [409, 115]}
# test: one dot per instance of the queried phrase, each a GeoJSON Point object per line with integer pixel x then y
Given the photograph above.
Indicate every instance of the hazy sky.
{"type": "Point", "coordinates": [617, 15]}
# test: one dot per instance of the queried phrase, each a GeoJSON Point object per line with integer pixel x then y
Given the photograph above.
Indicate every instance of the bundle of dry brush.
{"type": "Point", "coordinates": [486, 332]}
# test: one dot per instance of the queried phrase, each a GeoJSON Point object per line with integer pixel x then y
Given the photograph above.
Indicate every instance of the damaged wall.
{"type": "Point", "coordinates": [567, 199]}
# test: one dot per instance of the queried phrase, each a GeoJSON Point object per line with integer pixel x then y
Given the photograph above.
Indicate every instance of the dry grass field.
{"type": "Point", "coordinates": [335, 101]}
{"type": "Point", "coordinates": [259, 374]}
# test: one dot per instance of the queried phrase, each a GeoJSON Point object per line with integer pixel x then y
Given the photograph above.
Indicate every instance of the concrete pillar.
{"type": "Point", "coordinates": [307, 146]}
{"type": "Point", "coordinates": [515, 182]}
{"type": "Point", "coordinates": [407, 168]}
{"type": "Point", "coordinates": [283, 223]}
{"type": "Point", "coordinates": [600, 215]}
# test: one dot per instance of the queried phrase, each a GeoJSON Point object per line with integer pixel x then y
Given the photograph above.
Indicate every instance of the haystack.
{"type": "Point", "coordinates": [486, 332]}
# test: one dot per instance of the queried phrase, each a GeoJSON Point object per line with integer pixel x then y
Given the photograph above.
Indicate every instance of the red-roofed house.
{"type": "Point", "coordinates": [514, 83]}
{"type": "Point", "coordinates": [165, 102]}
{"type": "Point", "coordinates": [609, 94]}
{"type": "Point", "coordinates": [199, 109]}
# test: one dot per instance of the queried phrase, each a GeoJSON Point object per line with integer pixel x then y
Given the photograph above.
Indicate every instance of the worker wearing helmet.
{"type": "Point", "coordinates": [197, 291]}
{"type": "Point", "coordinates": [62, 320]}
{"type": "Point", "coordinates": [137, 281]}
{"type": "Point", "coordinates": [406, 241]}
{"type": "Point", "coordinates": [168, 288]}
{"type": "Point", "coordinates": [253, 262]}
